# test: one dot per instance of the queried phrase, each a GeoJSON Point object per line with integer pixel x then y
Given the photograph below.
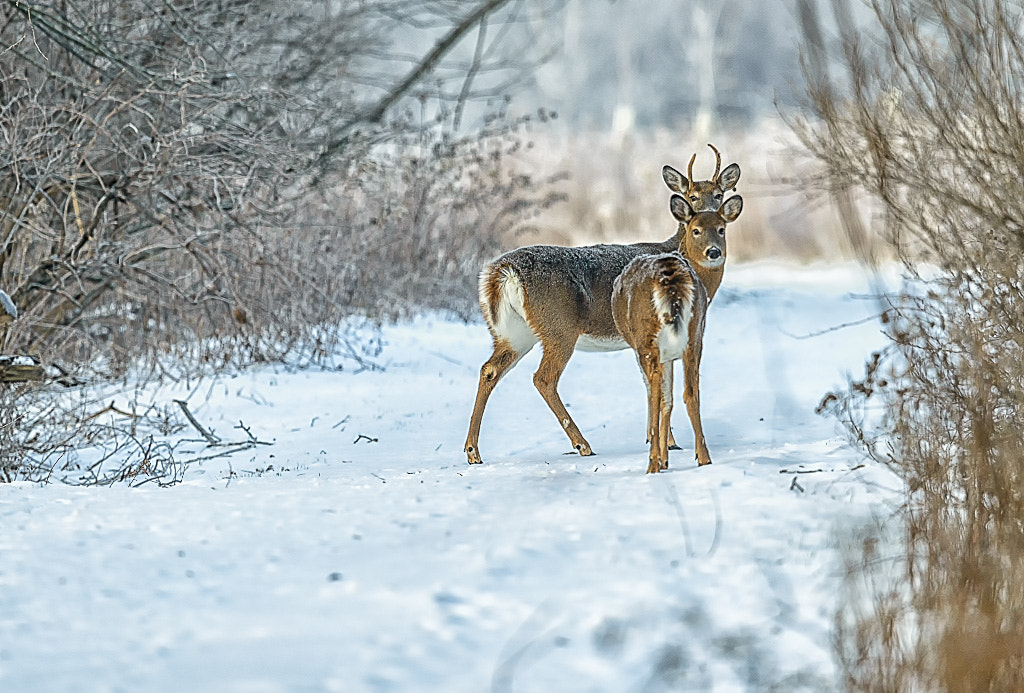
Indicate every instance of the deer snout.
{"type": "Point", "coordinates": [714, 253]}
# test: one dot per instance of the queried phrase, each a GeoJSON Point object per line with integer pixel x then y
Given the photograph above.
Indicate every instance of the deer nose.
{"type": "Point", "coordinates": [714, 253]}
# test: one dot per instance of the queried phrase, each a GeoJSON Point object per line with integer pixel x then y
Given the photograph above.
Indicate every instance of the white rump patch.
{"type": "Point", "coordinates": [672, 342]}
{"type": "Point", "coordinates": [662, 306]}
{"type": "Point", "coordinates": [511, 325]}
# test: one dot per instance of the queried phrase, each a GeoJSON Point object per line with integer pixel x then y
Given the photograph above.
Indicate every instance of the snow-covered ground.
{"type": "Point", "coordinates": [360, 552]}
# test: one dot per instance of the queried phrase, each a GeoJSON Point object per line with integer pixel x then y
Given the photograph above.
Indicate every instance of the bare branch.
{"type": "Point", "coordinates": [442, 47]}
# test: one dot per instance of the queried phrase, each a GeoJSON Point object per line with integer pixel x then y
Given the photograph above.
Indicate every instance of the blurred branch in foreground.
{"type": "Point", "coordinates": [918, 111]}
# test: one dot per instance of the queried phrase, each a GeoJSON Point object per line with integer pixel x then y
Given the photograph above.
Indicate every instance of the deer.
{"type": "Point", "coordinates": [659, 304]}
{"type": "Point", "coordinates": [560, 297]}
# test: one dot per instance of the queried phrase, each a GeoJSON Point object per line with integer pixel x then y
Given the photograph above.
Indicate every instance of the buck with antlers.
{"type": "Point", "coordinates": [561, 297]}
{"type": "Point", "coordinates": [659, 303]}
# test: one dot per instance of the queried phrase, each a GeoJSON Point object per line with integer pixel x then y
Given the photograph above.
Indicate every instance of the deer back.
{"type": "Point", "coordinates": [556, 293]}
{"type": "Point", "coordinates": [659, 300]}
{"type": "Point", "coordinates": [561, 291]}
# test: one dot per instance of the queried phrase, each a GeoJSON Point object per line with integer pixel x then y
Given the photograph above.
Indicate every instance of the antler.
{"type": "Point", "coordinates": [718, 163]}
{"type": "Point", "coordinates": [689, 170]}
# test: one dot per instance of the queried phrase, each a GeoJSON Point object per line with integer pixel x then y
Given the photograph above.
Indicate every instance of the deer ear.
{"type": "Point", "coordinates": [730, 177]}
{"type": "Point", "coordinates": [731, 208]}
{"type": "Point", "coordinates": [681, 209]}
{"type": "Point", "coordinates": [675, 180]}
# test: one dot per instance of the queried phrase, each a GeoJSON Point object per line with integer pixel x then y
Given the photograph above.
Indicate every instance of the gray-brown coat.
{"type": "Point", "coordinates": [561, 297]}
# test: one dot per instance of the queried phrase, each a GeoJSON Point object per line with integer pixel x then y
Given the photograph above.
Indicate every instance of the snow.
{"type": "Point", "coordinates": [359, 551]}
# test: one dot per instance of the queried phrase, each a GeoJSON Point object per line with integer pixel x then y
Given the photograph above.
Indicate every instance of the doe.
{"type": "Point", "coordinates": [659, 304]}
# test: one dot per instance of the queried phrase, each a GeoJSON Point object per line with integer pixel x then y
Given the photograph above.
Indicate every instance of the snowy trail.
{"type": "Point", "coordinates": [394, 566]}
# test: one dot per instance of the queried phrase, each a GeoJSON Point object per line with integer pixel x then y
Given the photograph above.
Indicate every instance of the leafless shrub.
{"type": "Point", "coordinates": [922, 112]}
{"type": "Point", "coordinates": [410, 231]}
{"type": "Point", "coordinates": [158, 161]}
{"type": "Point", "coordinates": [78, 439]}
{"type": "Point", "coordinates": [126, 153]}
{"type": "Point", "coordinates": [191, 185]}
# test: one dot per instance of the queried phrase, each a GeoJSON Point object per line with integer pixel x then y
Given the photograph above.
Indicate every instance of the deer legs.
{"type": "Point", "coordinates": [552, 363]}
{"type": "Point", "coordinates": [657, 412]}
{"type": "Point", "coordinates": [503, 358]}
{"type": "Point", "coordinates": [691, 395]}
{"type": "Point", "coordinates": [669, 399]}
{"type": "Point", "coordinates": [667, 381]}
{"type": "Point", "coordinates": [658, 378]}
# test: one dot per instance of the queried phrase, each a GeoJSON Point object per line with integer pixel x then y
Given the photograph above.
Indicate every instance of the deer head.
{"type": "Point", "coordinates": [702, 234]}
{"type": "Point", "coordinates": [703, 196]}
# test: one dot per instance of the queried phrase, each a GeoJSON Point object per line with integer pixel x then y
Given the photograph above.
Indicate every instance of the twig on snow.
{"type": "Point", "coordinates": [210, 438]}
{"type": "Point", "coordinates": [815, 471]}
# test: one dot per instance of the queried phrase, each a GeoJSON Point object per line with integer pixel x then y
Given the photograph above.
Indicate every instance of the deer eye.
{"type": "Point", "coordinates": [721, 231]}
{"type": "Point", "coordinates": [696, 232]}
{"type": "Point", "coordinates": [718, 196]}
{"type": "Point", "coordinates": [693, 198]}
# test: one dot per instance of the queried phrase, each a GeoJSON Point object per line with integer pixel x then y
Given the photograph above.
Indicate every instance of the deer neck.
{"type": "Point", "coordinates": [710, 277]}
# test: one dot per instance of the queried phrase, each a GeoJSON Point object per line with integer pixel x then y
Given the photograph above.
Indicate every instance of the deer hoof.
{"type": "Point", "coordinates": [473, 455]}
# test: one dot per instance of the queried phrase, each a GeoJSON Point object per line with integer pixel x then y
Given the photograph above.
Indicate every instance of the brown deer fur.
{"type": "Point", "coordinates": [659, 304]}
{"type": "Point", "coordinates": [561, 297]}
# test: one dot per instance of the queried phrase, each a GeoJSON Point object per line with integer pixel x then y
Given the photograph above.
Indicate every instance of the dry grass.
{"type": "Point", "coordinates": [615, 194]}
{"type": "Point", "coordinates": [924, 122]}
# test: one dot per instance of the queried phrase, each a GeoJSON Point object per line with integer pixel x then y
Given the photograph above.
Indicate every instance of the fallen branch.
{"type": "Point", "coordinates": [210, 438]}
{"type": "Point", "coordinates": [253, 440]}
{"type": "Point", "coordinates": [19, 369]}
{"type": "Point", "coordinates": [112, 409]}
